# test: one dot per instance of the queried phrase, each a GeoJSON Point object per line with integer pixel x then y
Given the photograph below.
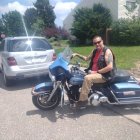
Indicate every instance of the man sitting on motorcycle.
{"type": "Point", "coordinates": [101, 68]}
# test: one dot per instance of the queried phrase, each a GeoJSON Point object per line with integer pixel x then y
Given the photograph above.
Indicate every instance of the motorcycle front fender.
{"type": "Point", "coordinates": [41, 88]}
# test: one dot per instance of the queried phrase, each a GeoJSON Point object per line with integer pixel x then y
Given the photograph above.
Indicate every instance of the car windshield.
{"type": "Point", "coordinates": [35, 44]}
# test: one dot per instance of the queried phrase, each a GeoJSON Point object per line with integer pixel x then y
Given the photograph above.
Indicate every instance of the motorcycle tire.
{"type": "Point", "coordinates": [40, 100]}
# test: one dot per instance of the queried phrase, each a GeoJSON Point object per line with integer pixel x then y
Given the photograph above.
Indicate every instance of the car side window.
{"type": "Point", "coordinates": [2, 45]}
{"type": "Point", "coordinates": [40, 45]}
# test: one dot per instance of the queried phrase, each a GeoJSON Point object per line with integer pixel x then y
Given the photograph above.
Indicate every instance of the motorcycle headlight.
{"type": "Point", "coordinates": [52, 77]}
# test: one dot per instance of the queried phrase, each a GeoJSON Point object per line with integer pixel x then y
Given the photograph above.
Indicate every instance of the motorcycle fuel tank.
{"type": "Point", "coordinates": [76, 80]}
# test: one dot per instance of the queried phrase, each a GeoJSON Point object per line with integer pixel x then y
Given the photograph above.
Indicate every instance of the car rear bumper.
{"type": "Point", "coordinates": [27, 75]}
{"type": "Point", "coordinates": [16, 73]}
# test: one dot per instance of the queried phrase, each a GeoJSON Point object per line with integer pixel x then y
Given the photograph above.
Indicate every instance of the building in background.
{"type": "Point", "coordinates": [117, 9]}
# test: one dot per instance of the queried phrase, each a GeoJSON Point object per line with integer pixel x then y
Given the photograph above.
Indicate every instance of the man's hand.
{"type": "Point", "coordinates": [92, 72]}
{"type": "Point", "coordinates": [80, 56]}
{"type": "Point", "coordinates": [74, 54]}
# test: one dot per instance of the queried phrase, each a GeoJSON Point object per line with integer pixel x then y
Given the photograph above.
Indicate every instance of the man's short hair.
{"type": "Point", "coordinates": [97, 36]}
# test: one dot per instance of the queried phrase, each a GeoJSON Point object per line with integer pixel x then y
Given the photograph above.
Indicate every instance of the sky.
{"type": "Point", "coordinates": [61, 7]}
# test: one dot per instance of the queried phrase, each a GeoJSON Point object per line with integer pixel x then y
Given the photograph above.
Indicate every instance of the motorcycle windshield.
{"type": "Point", "coordinates": [66, 54]}
{"type": "Point", "coordinates": [60, 65]}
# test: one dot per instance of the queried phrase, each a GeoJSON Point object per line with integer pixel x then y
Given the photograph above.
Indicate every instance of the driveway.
{"type": "Point", "coordinates": [20, 120]}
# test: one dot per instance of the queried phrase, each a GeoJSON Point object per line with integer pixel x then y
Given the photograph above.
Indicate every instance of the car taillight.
{"type": "Point", "coordinates": [54, 57]}
{"type": "Point", "coordinates": [11, 61]}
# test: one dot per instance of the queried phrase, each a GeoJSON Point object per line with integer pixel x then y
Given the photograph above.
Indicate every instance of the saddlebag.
{"type": "Point", "coordinates": [126, 92]}
{"type": "Point", "coordinates": [120, 76]}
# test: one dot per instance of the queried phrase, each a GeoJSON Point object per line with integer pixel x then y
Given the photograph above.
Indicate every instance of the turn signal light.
{"type": "Point", "coordinates": [11, 61]}
{"type": "Point", "coordinates": [54, 56]}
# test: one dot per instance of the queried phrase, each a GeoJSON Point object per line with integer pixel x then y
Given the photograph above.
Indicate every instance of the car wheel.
{"type": "Point", "coordinates": [7, 82]}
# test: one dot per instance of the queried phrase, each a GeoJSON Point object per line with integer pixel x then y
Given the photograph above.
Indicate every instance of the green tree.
{"type": "Point", "coordinates": [30, 17]}
{"type": "Point", "coordinates": [90, 21]}
{"type": "Point", "coordinates": [1, 26]}
{"type": "Point", "coordinates": [45, 12]}
{"type": "Point", "coordinates": [13, 24]}
{"type": "Point", "coordinates": [37, 26]}
{"type": "Point", "coordinates": [2, 30]}
{"type": "Point", "coordinates": [125, 32]}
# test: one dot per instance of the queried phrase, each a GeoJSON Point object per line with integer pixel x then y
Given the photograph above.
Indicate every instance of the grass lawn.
{"type": "Point", "coordinates": [126, 57]}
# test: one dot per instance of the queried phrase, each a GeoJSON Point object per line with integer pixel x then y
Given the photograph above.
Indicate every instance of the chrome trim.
{"type": "Point", "coordinates": [114, 96]}
{"type": "Point", "coordinates": [124, 102]}
{"type": "Point", "coordinates": [129, 98]}
{"type": "Point", "coordinates": [136, 102]}
{"type": "Point", "coordinates": [62, 96]}
{"type": "Point", "coordinates": [53, 91]}
{"type": "Point", "coordinates": [95, 101]}
{"type": "Point", "coordinates": [115, 103]}
{"type": "Point", "coordinates": [36, 93]}
{"type": "Point", "coordinates": [52, 77]}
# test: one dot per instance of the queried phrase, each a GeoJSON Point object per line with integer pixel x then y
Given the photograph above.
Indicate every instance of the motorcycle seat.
{"type": "Point", "coordinates": [120, 76]}
{"type": "Point", "coordinates": [98, 85]}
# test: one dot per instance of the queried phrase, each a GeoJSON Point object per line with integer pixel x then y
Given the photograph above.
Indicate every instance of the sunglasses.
{"type": "Point", "coordinates": [98, 42]}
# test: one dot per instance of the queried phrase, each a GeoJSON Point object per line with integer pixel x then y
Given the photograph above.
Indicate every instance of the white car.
{"type": "Point", "coordinates": [23, 57]}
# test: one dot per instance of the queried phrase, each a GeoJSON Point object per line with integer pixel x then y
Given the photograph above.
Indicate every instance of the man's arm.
{"type": "Point", "coordinates": [86, 58]}
{"type": "Point", "coordinates": [109, 62]}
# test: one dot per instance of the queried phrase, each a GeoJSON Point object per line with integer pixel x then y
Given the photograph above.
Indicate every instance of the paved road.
{"type": "Point", "coordinates": [20, 120]}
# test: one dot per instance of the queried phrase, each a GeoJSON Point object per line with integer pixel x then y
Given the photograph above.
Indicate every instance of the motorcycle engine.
{"type": "Point", "coordinates": [95, 99]}
{"type": "Point", "coordinates": [74, 90]}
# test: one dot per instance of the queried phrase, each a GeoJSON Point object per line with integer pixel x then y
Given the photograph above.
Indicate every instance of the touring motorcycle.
{"type": "Point", "coordinates": [67, 80]}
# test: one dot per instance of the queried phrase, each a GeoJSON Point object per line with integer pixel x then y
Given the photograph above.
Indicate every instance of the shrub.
{"type": "Point", "coordinates": [90, 21]}
{"type": "Point", "coordinates": [56, 32]}
{"type": "Point", "coordinates": [125, 32]}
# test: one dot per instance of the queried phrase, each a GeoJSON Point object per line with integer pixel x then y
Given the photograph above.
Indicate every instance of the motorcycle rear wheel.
{"type": "Point", "coordinates": [40, 101]}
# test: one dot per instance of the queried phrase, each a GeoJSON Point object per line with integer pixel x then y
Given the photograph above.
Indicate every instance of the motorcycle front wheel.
{"type": "Point", "coordinates": [40, 101]}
